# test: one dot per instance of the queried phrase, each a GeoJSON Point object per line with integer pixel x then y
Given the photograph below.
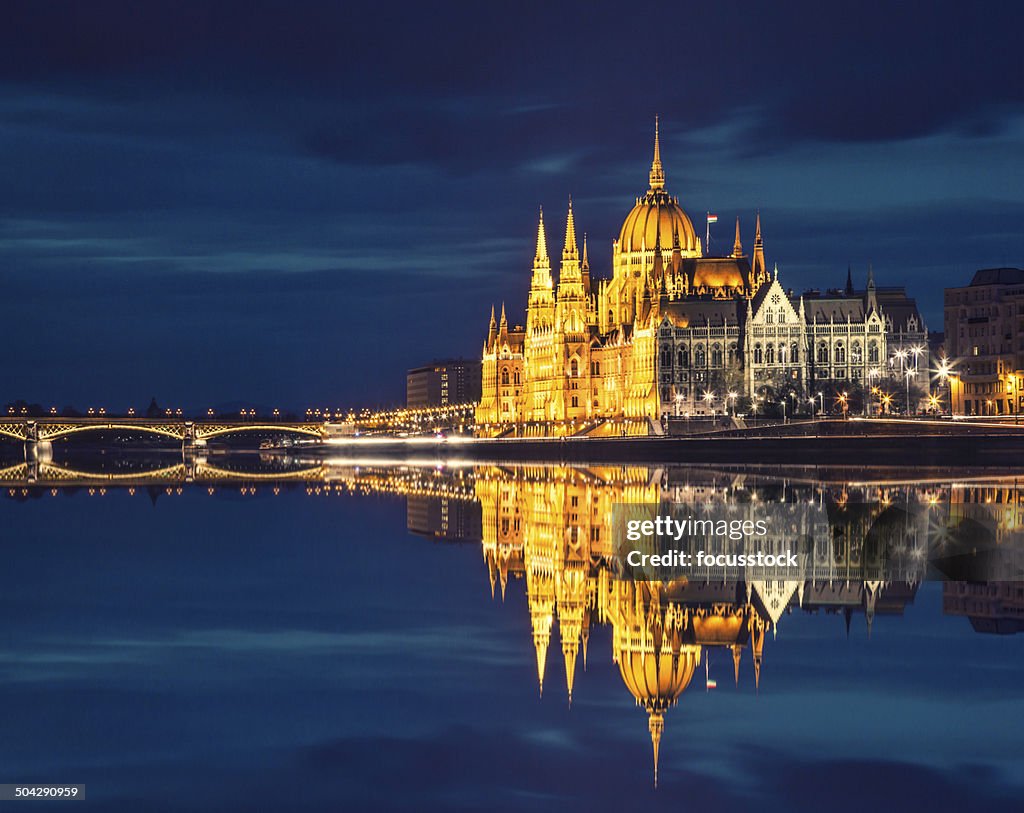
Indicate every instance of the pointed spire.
{"type": "Point", "coordinates": [657, 176]}
{"type": "Point", "coordinates": [542, 242]}
{"type": "Point", "coordinates": [759, 270]}
{"type": "Point", "coordinates": [737, 246]}
{"type": "Point", "coordinates": [656, 725]}
{"type": "Point", "coordinates": [569, 651]}
{"type": "Point", "coordinates": [492, 328]}
{"type": "Point", "coordinates": [849, 280]}
{"type": "Point", "coordinates": [503, 325]}
{"type": "Point", "coordinates": [586, 259]}
{"type": "Point", "coordinates": [540, 642]}
{"type": "Point", "coordinates": [570, 252]}
{"type": "Point", "coordinates": [737, 650]}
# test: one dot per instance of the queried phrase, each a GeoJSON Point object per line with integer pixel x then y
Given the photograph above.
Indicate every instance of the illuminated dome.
{"type": "Point", "coordinates": [724, 274]}
{"type": "Point", "coordinates": [657, 216]}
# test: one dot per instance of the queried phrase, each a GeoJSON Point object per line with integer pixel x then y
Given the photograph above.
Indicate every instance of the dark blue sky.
{"type": "Point", "coordinates": [291, 203]}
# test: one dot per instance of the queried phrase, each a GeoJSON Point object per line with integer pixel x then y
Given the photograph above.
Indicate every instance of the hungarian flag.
{"type": "Point", "coordinates": [712, 218]}
{"type": "Point", "coordinates": [712, 683]}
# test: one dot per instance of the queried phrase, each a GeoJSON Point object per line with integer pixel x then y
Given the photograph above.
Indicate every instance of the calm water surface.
{"type": "Point", "coordinates": [302, 636]}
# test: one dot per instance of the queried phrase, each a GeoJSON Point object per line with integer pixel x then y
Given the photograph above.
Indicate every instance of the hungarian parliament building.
{"type": "Point", "coordinates": [676, 332]}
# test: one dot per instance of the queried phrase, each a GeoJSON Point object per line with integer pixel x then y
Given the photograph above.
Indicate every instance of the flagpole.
{"type": "Point", "coordinates": [707, 233]}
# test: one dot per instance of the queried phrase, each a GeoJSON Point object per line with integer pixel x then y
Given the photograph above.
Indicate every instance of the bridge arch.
{"type": "Point", "coordinates": [52, 431]}
{"type": "Point", "coordinates": [205, 432]}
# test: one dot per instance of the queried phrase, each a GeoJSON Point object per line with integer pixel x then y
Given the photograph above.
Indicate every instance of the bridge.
{"type": "Point", "coordinates": [33, 431]}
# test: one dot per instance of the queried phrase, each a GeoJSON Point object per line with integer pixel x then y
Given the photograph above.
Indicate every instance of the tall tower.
{"type": "Point", "coordinates": [758, 269]}
{"type": "Point", "coordinates": [540, 310]}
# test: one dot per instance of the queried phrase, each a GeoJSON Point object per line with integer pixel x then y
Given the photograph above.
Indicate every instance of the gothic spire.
{"type": "Point", "coordinates": [542, 243]}
{"type": "Point", "coordinates": [737, 246]}
{"type": "Point", "coordinates": [849, 280]}
{"type": "Point", "coordinates": [657, 176]}
{"type": "Point", "coordinates": [656, 725]}
{"type": "Point", "coordinates": [570, 252]}
{"type": "Point", "coordinates": [586, 259]}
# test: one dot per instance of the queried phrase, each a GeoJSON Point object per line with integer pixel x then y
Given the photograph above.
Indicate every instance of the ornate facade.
{"type": "Point", "coordinates": [672, 332]}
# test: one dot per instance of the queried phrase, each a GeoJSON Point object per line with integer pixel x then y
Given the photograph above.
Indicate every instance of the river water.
{"type": "Point", "coordinates": [277, 634]}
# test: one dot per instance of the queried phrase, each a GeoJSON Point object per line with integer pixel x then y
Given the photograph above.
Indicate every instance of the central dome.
{"type": "Point", "coordinates": [658, 217]}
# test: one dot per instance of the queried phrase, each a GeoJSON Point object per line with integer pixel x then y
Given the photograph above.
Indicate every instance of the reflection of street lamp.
{"type": "Point", "coordinates": [843, 401]}
{"type": "Point", "coordinates": [732, 397]}
{"type": "Point", "coordinates": [679, 400]}
{"type": "Point", "coordinates": [709, 398]}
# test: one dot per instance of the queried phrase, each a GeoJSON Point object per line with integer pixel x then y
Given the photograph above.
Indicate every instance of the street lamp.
{"type": "Point", "coordinates": [709, 398]}
{"type": "Point", "coordinates": [731, 397]}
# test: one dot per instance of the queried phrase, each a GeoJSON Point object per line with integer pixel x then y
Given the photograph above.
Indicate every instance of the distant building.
{"type": "Point", "coordinates": [440, 383]}
{"type": "Point", "coordinates": [985, 342]}
{"type": "Point", "coordinates": [996, 608]}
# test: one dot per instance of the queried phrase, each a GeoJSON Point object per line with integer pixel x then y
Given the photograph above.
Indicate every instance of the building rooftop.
{"type": "Point", "coordinates": [998, 276]}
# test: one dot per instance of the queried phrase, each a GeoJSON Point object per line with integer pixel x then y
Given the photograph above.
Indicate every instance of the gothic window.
{"type": "Point", "coordinates": [504, 376]}
{"type": "Point", "coordinates": [769, 354]}
{"type": "Point", "coordinates": [698, 356]}
{"type": "Point", "coordinates": [732, 353]}
{"type": "Point", "coordinates": [794, 353]}
{"type": "Point", "coordinates": [856, 355]}
{"type": "Point", "coordinates": [575, 400]}
{"type": "Point", "coordinates": [716, 356]}
{"type": "Point", "coordinates": [758, 354]}
{"type": "Point", "coordinates": [769, 318]}
{"type": "Point", "coordinates": [783, 355]}
{"type": "Point", "coordinates": [666, 358]}
{"type": "Point", "coordinates": [823, 353]}
{"type": "Point", "coordinates": [574, 369]}
{"type": "Point", "coordinates": [684, 357]}
{"type": "Point", "coordinates": [873, 353]}
{"type": "Point", "coordinates": [782, 316]}
{"type": "Point", "coordinates": [840, 353]}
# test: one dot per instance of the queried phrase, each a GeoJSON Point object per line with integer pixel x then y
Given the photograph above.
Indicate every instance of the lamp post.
{"type": "Point", "coordinates": [731, 397]}
{"type": "Point", "coordinates": [709, 398]}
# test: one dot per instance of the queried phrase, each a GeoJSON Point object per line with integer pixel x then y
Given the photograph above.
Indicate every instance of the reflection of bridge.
{"type": "Point", "coordinates": [43, 430]}
{"type": "Point", "coordinates": [193, 469]}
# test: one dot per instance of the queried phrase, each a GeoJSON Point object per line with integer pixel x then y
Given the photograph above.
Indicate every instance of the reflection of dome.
{"type": "Point", "coordinates": [657, 680]}
{"type": "Point", "coordinates": [647, 643]}
{"type": "Point", "coordinates": [657, 217]}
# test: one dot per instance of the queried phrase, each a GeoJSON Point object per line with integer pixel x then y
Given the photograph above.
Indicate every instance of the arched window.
{"type": "Point", "coordinates": [794, 353]}
{"type": "Point", "coordinates": [504, 376]}
{"type": "Point", "coordinates": [515, 377]}
{"type": "Point", "coordinates": [684, 357]}
{"type": "Point", "coordinates": [666, 358]}
{"type": "Point", "coordinates": [840, 353]}
{"type": "Point", "coordinates": [716, 355]}
{"type": "Point", "coordinates": [873, 353]}
{"type": "Point", "coordinates": [732, 354]}
{"type": "Point", "coordinates": [769, 318]}
{"type": "Point", "coordinates": [574, 368]}
{"type": "Point", "coordinates": [823, 353]}
{"type": "Point", "coordinates": [698, 356]}
{"type": "Point", "coordinates": [758, 354]}
{"type": "Point", "coordinates": [769, 354]}
{"type": "Point", "coordinates": [782, 316]}
{"type": "Point", "coordinates": [856, 354]}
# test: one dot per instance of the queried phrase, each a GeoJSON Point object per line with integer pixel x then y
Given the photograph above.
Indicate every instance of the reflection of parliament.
{"type": "Point", "coordinates": [548, 528]}
{"type": "Point", "coordinates": [673, 324]}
